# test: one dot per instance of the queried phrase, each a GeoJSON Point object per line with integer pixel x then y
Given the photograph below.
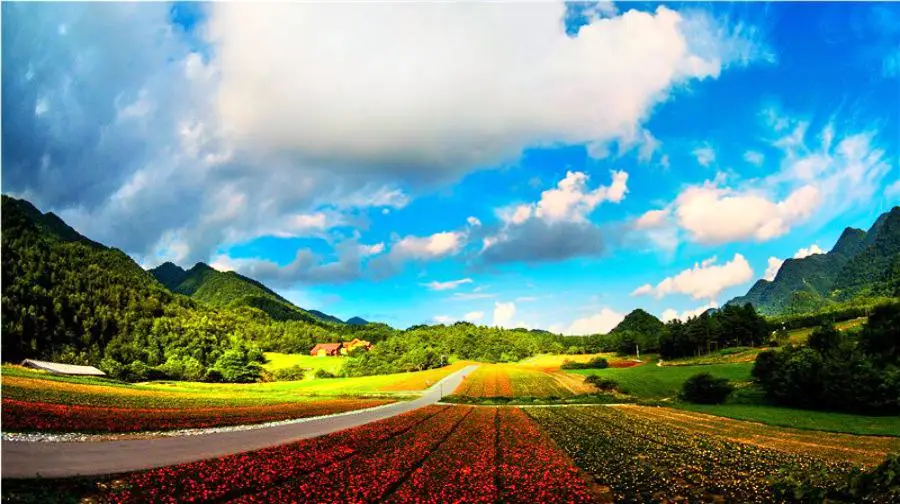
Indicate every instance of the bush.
{"type": "Point", "coordinates": [704, 388]}
{"type": "Point", "coordinates": [595, 363]}
{"type": "Point", "coordinates": [293, 373]}
{"type": "Point", "coordinates": [321, 373]}
{"type": "Point", "coordinates": [601, 383]}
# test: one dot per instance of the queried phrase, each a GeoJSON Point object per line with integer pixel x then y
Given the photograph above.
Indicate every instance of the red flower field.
{"type": "Point", "coordinates": [22, 416]}
{"type": "Point", "coordinates": [435, 454]}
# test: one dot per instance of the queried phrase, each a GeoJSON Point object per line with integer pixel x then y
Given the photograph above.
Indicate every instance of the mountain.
{"type": "Point", "coordinates": [69, 299]}
{"type": "Point", "coordinates": [861, 263]}
{"type": "Point", "coordinates": [641, 322]}
{"type": "Point", "coordinates": [357, 321]}
{"type": "Point", "coordinates": [227, 289]}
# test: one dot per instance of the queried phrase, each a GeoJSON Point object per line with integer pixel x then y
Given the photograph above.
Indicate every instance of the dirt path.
{"type": "Point", "coordinates": [59, 459]}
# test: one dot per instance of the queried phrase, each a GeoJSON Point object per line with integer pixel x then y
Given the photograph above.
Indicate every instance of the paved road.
{"type": "Point", "coordinates": [57, 459]}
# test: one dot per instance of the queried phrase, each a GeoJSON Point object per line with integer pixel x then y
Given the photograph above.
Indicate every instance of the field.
{"type": "Point", "coordinates": [487, 454]}
{"type": "Point", "coordinates": [647, 454]}
{"type": "Point", "coordinates": [799, 336]}
{"type": "Point", "coordinates": [725, 356]}
{"type": "Point", "coordinates": [803, 419]}
{"type": "Point", "coordinates": [649, 381]}
{"type": "Point", "coordinates": [498, 454]}
{"type": "Point", "coordinates": [513, 380]}
{"type": "Point", "coordinates": [34, 400]}
{"type": "Point", "coordinates": [275, 361]}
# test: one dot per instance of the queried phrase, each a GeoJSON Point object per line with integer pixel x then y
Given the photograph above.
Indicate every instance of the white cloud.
{"type": "Point", "coordinates": [569, 201]}
{"type": "Point", "coordinates": [704, 280]}
{"type": "Point", "coordinates": [450, 285]}
{"type": "Point", "coordinates": [772, 269]}
{"type": "Point", "coordinates": [468, 296]}
{"type": "Point", "coordinates": [429, 247]}
{"type": "Point", "coordinates": [378, 100]}
{"type": "Point", "coordinates": [443, 319]}
{"type": "Point", "coordinates": [705, 155]}
{"type": "Point", "coordinates": [473, 221]}
{"type": "Point", "coordinates": [599, 323]}
{"type": "Point", "coordinates": [369, 250]}
{"type": "Point", "coordinates": [503, 314]}
{"type": "Point", "coordinates": [712, 215]}
{"type": "Point", "coordinates": [555, 227]}
{"type": "Point", "coordinates": [808, 251]}
{"type": "Point", "coordinates": [474, 316]}
{"type": "Point", "coordinates": [652, 219]}
{"type": "Point", "coordinates": [671, 314]}
{"type": "Point", "coordinates": [754, 157]}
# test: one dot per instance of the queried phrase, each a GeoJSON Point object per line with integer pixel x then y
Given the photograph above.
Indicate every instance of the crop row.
{"type": "Point", "coordinates": [863, 450]}
{"type": "Point", "coordinates": [25, 416]}
{"type": "Point", "coordinates": [641, 460]}
{"type": "Point", "coordinates": [501, 380]}
{"type": "Point", "coordinates": [486, 381]}
{"type": "Point", "coordinates": [435, 454]}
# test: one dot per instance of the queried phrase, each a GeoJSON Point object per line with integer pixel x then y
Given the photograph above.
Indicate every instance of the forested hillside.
{"type": "Point", "coordinates": [862, 264]}
{"type": "Point", "coordinates": [231, 290]}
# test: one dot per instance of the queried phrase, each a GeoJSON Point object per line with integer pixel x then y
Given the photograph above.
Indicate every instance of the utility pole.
{"type": "Point", "coordinates": [637, 349]}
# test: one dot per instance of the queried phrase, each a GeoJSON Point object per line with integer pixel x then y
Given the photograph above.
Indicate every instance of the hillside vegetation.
{"type": "Point", "coordinates": [862, 264]}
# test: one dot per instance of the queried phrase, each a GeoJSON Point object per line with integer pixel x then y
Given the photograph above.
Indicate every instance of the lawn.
{"type": "Point", "coordinates": [275, 361]}
{"type": "Point", "coordinates": [649, 381]}
{"type": "Point", "coordinates": [802, 419]}
{"type": "Point", "coordinates": [724, 356]}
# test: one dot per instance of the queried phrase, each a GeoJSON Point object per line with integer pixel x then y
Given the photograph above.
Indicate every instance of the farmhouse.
{"type": "Point", "coordinates": [327, 349]}
{"type": "Point", "coordinates": [66, 369]}
{"type": "Point", "coordinates": [336, 349]}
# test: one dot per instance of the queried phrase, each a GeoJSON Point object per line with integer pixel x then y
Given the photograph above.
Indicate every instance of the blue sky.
{"type": "Point", "coordinates": [534, 165]}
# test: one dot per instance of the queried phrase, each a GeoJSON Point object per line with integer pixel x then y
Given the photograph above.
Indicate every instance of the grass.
{"type": "Point", "coordinates": [548, 361]}
{"type": "Point", "coordinates": [724, 356]}
{"type": "Point", "coordinates": [275, 361]}
{"type": "Point", "coordinates": [799, 336]}
{"type": "Point", "coordinates": [802, 419]}
{"type": "Point", "coordinates": [28, 385]}
{"type": "Point", "coordinates": [649, 381]}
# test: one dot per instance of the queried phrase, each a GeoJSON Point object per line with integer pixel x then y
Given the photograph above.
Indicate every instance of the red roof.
{"type": "Point", "coordinates": [328, 347]}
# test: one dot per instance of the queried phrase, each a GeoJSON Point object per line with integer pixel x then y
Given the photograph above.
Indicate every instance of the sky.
{"type": "Point", "coordinates": [536, 165]}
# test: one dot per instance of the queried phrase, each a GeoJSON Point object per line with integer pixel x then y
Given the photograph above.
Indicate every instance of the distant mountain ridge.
{"type": "Point", "coordinates": [230, 289]}
{"type": "Point", "coordinates": [861, 263]}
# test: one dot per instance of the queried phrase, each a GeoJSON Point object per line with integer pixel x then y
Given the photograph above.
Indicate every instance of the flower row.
{"type": "Point", "coordinates": [21, 416]}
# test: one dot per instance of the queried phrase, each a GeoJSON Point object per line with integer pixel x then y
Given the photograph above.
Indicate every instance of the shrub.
{"type": "Point", "coordinates": [704, 388]}
{"type": "Point", "coordinates": [595, 363]}
{"type": "Point", "coordinates": [321, 373]}
{"type": "Point", "coordinates": [293, 373]}
{"type": "Point", "coordinates": [601, 383]}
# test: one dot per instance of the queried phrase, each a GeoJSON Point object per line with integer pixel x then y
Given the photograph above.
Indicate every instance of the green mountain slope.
{"type": "Point", "coordinates": [860, 264]}
{"type": "Point", "coordinates": [227, 289]}
{"type": "Point", "coordinates": [641, 322]}
{"type": "Point", "coordinates": [69, 299]}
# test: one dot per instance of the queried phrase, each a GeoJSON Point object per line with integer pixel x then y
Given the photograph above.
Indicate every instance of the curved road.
{"type": "Point", "coordinates": [22, 459]}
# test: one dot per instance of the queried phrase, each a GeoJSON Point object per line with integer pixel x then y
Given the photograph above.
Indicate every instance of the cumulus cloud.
{"type": "Point", "coordinates": [474, 316]}
{"type": "Point", "coordinates": [704, 280]}
{"type": "Point", "coordinates": [504, 313]}
{"type": "Point", "coordinates": [808, 251]}
{"type": "Point", "coordinates": [418, 249]}
{"type": "Point", "coordinates": [449, 285]}
{"type": "Point", "coordinates": [178, 148]}
{"type": "Point", "coordinates": [557, 226]}
{"type": "Point", "coordinates": [671, 314]}
{"type": "Point", "coordinates": [772, 269]}
{"type": "Point", "coordinates": [598, 323]}
{"type": "Point", "coordinates": [820, 176]}
{"type": "Point", "coordinates": [712, 214]}
{"type": "Point", "coordinates": [425, 109]}
{"type": "Point", "coordinates": [473, 221]}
